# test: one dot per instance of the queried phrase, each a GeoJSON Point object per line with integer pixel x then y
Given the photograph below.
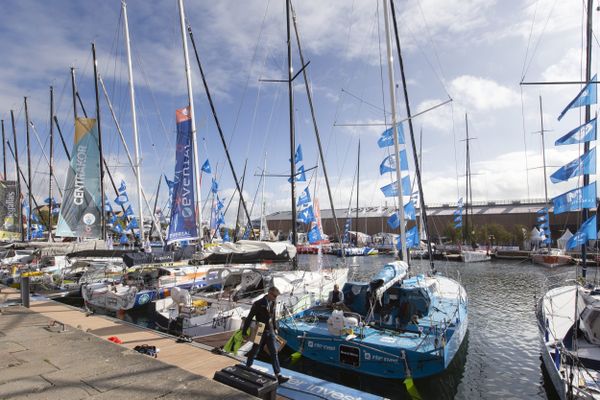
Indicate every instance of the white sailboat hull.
{"type": "Point", "coordinates": [471, 256]}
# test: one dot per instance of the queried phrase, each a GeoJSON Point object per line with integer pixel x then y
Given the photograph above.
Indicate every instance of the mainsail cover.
{"type": "Point", "coordinates": [183, 214]}
{"type": "Point", "coordinates": [82, 201]}
{"type": "Point", "coordinates": [10, 211]}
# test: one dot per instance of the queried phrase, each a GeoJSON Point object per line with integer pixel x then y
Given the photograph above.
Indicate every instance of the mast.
{"type": "Point", "coordinates": [237, 215]}
{"type": "Point", "coordinates": [154, 222]}
{"type": "Point", "coordinates": [357, 190]}
{"type": "Point", "coordinates": [102, 213]}
{"type": "Point", "coordinates": [188, 76]}
{"type": "Point", "coordinates": [390, 59]}
{"type": "Point", "coordinates": [74, 90]}
{"type": "Point", "coordinates": [262, 199]}
{"type": "Point", "coordinates": [318, 136]}
{"type": "Point", "coordinates": [29, 194]}
{"type": "Point", "coordinates": [586, 148]}
{"type": "Point", "coordinates": [136, 148]}
{"type": "Point", "coordinates": [468, 190]}
{"type": "Point", "coordinates": [20, 212]}
{"type": "Point", "coordinates": [544, 164]}
{"type": "Point", "coordinates": [292, 132]}
{"type": "Point", "coordinates": [423, 213]}
{"type": "Point", "coordinates": [62, 139]}
{"type": "Point", "coordinates": [3, 151]}
{"type": "Point", "coordinates": [214, 113]}
{"type": "Point", "coordinates": [51, 164]}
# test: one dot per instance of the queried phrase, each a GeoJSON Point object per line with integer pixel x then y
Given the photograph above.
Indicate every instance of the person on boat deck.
{"type": "Point", "coordinates": [336, 296]}
{"type": "Point", "coordinates": [264, 311]}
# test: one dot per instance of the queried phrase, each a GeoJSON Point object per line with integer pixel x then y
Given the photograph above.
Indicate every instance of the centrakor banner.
{"type": "Point", "coordinates": [10, 211]}
{"type": "Point", "coordinates": [82, 202]}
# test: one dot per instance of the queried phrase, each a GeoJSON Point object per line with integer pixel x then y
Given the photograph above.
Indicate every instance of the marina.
{"type": "Point", "coordinates": [293, 200]}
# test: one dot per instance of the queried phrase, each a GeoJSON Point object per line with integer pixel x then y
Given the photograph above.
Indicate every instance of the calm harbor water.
{"type": "Point", "coordinates": [500, 358]}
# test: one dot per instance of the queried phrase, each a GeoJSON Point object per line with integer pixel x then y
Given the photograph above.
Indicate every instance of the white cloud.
{"type": "Point", "coordinates": [482, 94]}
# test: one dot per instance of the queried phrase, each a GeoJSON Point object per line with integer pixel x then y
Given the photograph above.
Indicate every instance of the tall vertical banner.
{"type": "Point", "coordinates": [10, 209]}
{"type": "Point", "coordinates": [183, 214]}
{"type": "Point", "coordinates": [82, 201]}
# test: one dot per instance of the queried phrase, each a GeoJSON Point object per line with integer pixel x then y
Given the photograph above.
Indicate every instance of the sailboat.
{"type": "Point", "coordinates": [394, 325]}
{"type": "Point", "coordinates": [546, 255]}
{"type": "Point", "coordinates": [569, 315]}
{"type": "Point", "coordinates": [355, 240]}
{"type": "Point", "coordinates": [473, 254]}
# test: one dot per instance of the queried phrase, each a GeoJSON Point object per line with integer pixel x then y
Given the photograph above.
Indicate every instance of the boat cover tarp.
{"type": "Point", "coordinates": [249, 251]}
{"type": "Point", "coordinates": [388, 275]}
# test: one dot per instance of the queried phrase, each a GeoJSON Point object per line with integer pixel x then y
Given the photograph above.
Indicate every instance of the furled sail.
{"type": "Point", "coordinates": [82, 201]}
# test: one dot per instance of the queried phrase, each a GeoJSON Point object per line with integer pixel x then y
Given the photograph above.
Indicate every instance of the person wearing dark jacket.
{"type": "Point", "coordinates": [264, 311]}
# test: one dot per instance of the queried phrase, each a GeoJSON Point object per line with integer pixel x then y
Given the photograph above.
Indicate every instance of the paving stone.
{"type": "Point", "coordinates": [25, 370]}
{"type": "Point", "coordinates": [22, 387]}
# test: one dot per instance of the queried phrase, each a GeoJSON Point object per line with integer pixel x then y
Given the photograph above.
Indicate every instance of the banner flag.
{"type": "Point", "coordinates": [183, 225]}
{"type": "Point", "coordinates": [81, 208]}
{"type": "Point", "coordinates": [582, 134]}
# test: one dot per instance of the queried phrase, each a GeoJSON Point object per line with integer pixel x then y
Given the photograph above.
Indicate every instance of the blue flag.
{"type": "Point", "coordinates": [458, 218]}
{"type": "Point", "coordinates": [586, 164]}
{"type": "Point", "coordinates": [412, 239]}
{"type": "Point", "coordinates": [586, 97]}
{"type": "Point", "coordinates": [112, 219]}
{"type": "Point", "coordinates": [298, 155]}
{"type": "Point", "coordinates": [541, 218]}
{"type": "Point", "coordinates": [117, 228]}
{"type": "Point", "coordinates": [128, 211]}
{"type": "Point", "coordinates": [48, 199]}
{"type": "Point", "coordinates": [542, 210]}
{"type": "Point", "coordinates": [307, 215]}
{"type": "Point", "coordinates": [206, 167]}
{"type": "Point", "coordinates": [314, 235]}
{"type": "Point", "coordinates": [458, 211]}
{"type": "Point", "coordinates": [300, 175]}
{"type": "Point", "coordinates": [221, 219]}
{"type": "Point", "coordinates": [304, 197]}
{"type": "Point", "coordinates": [389, 163]}
{"type": "Point", "coordinates": [394, 221]}
{"type": "Point", "coordinates": [122, 198]}
{"type": "Point", "coordinates": [410, 214]}
{"type": "Point", "coordinates": [123, 239]}
{"type": "Point", "coordinates": [220, 204]}
{"type": "Point", "coordinates": [133, 224]}
{"type": "Point", "coordinates": [123, 187]}
{"type": "Point", "coordinates": [458, 225]}
{"type": "Point", "coordinates": [214, 186]}
{"type": "Point", "coordinates": [226, 236]}
{"type": "Point", "coordinates": [170, 184]}
{"type": "Point", "coordinates": [544, 225]}
{"type": "Point", "coordinates": [460, 203]}
{"type": "Point", "coordinates": [586, 232]}
{"type": "Point", "coordinates": [391, 190]}
{"type": "Point", "coordinates": [107, 206]}
{"type": "Point", "coordinates": [581, 134]}
{"type": "Point", "coordinates": [387, 139]}
{"type": "Point", "coordinates": [576, 199]}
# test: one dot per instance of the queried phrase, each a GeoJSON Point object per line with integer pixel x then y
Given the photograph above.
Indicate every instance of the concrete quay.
{"type": "Point", "coordinates": [38, 360]}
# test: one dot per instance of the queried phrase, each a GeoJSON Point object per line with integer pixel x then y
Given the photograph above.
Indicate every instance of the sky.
{"type": "Point", "coordinates": [474, 52]}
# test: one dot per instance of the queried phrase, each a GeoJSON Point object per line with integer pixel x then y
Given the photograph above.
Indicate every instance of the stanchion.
{"type": "Point", "coordinates": [25, 291]}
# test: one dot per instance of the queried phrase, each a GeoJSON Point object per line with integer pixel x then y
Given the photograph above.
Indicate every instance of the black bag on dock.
{"type": "Point", "coordinates": [248, 380]}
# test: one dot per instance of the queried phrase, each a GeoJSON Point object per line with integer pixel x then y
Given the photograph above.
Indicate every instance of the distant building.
{"type": "Point", "coordinates": [373, 220]}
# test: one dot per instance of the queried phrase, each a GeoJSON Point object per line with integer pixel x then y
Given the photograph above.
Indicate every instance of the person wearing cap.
{"type": "Point", "coordinates": [264, 311]}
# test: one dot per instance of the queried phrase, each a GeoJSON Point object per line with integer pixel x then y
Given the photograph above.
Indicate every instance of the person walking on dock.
{"type": "Point", "coordinates": [264, 311]}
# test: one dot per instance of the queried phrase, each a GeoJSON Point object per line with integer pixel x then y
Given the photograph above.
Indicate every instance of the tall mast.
{"type": "Point", "coordinates": [390, 60]}
{"type": "Point", "coordinates": [292, 132]}
{"type": "Point", "coordinates": [357, 190]}
{"type": "Point", "coordinates": [20, 208]}
{"type": "Point", "coordinates": [29, 194]}
{"type": "Point", "coordinates": [134, 122]}
{"type": "Point", "coordinates": [51, 164]}
{"type": "Point", "coordinates": [188, 76]}
{"type": "Point", "coordinates": [423, 213]}
{"type": "Point", "coordinates": [102, 214]}
{"type": "Point", "coordinates": [543, 152]}
{"type": "Point", "coordinates": [3, 152]}
{"type": "Point", "coordinates": [468, 190]}
{"type": "Point", "coordinates": [318, 136]}
{"type": "Point", "coordinates": [586, 148]}
{"type": "Point", "coordinates": [237, 215]}
{"type": "Point", "coordinates": [74, 90]}
{"type": "Point", "coordinates": [262, 199]}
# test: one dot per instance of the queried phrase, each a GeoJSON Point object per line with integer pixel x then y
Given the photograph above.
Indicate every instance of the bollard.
{"type": "Point", "coordinates": [25, 291]}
